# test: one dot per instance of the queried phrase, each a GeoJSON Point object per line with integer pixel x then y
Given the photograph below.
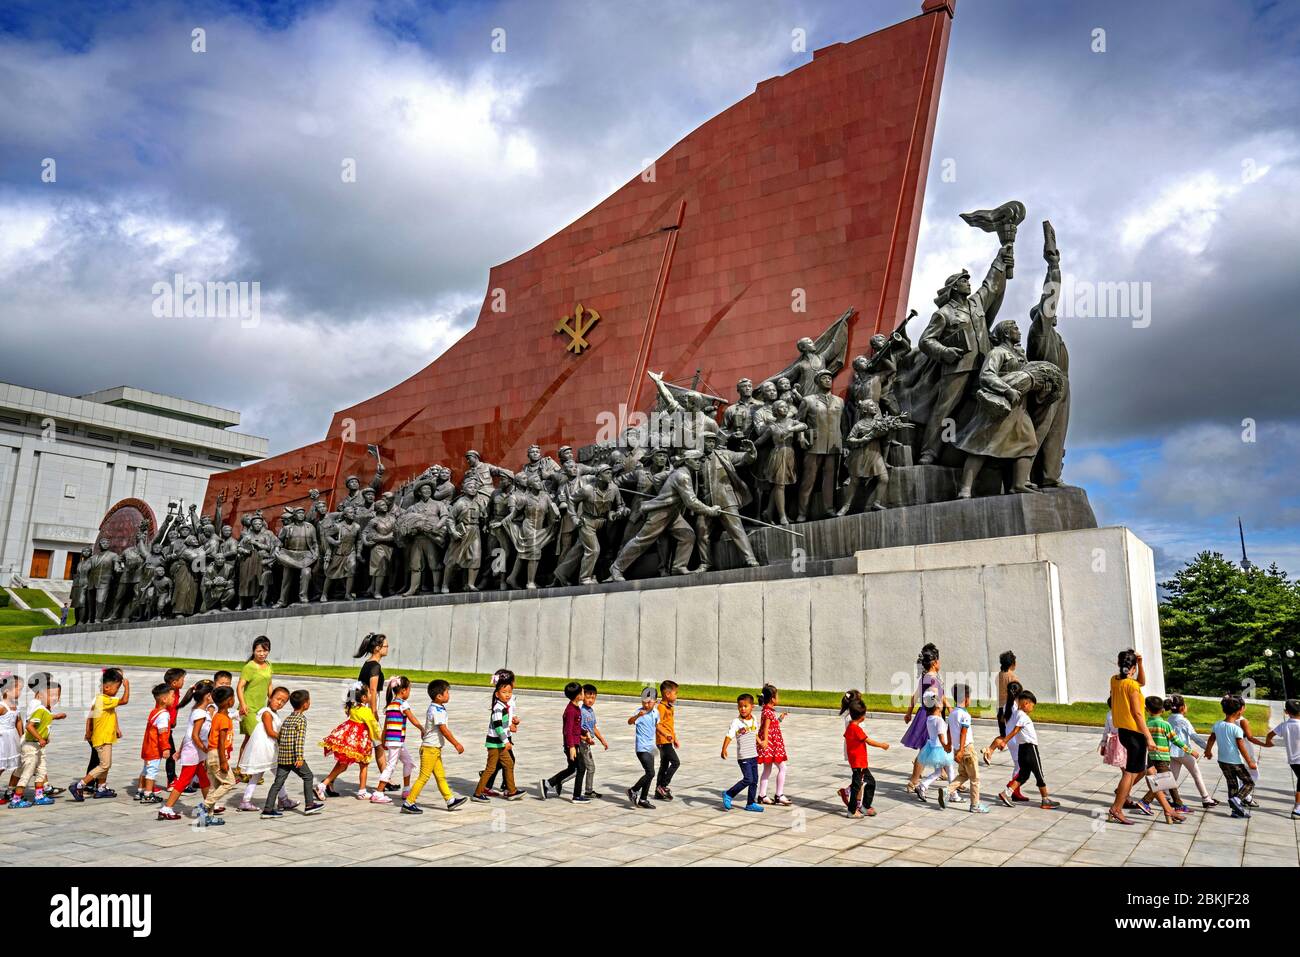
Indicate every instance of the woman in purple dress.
{"type": "Point", "coordinates": [930, 682]}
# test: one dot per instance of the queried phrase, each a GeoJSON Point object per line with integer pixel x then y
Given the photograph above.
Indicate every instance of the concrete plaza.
{"type": "Point", "coordinates": [692, 830]}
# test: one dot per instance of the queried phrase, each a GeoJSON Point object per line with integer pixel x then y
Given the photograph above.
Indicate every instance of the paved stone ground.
{"type": "Point", "coordinates": [693, 830]}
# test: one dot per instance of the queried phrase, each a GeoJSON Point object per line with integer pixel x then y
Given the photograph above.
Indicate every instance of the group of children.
{"type": "Point", "coordinates": [204, 721]}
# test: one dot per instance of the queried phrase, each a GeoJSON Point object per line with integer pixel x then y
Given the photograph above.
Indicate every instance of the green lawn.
{"type": "Point", "coordinates": [36, 598]}
{"type": "Point", "coordinates": [16, 638]}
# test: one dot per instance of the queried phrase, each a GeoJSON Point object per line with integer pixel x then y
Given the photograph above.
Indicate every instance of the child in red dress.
{"type": "Point", "coordinates": [351, 743]}
{"type": "Point", "coordinates": [771, 747]}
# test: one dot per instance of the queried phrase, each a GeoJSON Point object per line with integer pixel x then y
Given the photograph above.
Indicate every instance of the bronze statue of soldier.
{"type": "Point", "coordinates": [256, 553]}
{"type": "Point", "coordinates": [423, 525]}
{"type": "Point", "coordinates": [465, 544]}
{"type": "Point", "coordinates": [663, 515]}
{"type": "Point", "coordinates": [821, 411]}
{"type": "Point", "coordinates": [299, 549]}
{"type": "Point", "coordinates": [99, 580]}
{"type": "Point", "coordinates": [130, 568]}
{"type": "Point", "coordinates": [499, 513]}
{"type": "Point", "coordinates": [379, 536]}
{"type": "Point", "coordinates": [957, 338]}
{"type": "Point", "coordinates": [597, 505]}
{"type": "Point", "coordinates": [78, 598]}
{"type": "Point", "coordinates": [1046, 345]}
{"type": "Point", "coordinates": [341, 549]}
{"type": "Point", "coordinates": [353, 485]}
{"type": "Point", "coordinates": [721, 486]}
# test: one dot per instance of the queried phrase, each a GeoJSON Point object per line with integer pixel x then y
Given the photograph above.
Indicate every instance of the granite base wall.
{"type": "Point", "coordinates": [1066, 602]}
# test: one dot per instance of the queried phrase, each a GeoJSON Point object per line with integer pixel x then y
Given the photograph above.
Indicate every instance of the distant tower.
{"type": "Point", "coordinates": [1246, 565]}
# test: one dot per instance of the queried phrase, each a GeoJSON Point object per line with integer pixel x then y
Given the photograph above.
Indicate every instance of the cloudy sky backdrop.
{"type": "Point", "coordinates": [1168, 159]}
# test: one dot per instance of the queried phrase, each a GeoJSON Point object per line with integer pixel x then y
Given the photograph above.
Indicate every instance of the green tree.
{"type": "Point", "coordinates": [1216, 622]}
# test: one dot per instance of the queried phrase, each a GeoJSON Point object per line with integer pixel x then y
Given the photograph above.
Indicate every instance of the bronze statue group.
{"type": "Point", "coordinates": [662, 498]}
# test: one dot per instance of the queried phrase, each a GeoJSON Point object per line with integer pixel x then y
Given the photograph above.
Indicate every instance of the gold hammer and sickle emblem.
{"type": "Point", "coordinates": [576, 328]}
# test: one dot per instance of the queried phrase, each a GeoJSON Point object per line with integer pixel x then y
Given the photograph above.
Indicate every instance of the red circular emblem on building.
{"type": "Point", "coordinates": [121, 523]}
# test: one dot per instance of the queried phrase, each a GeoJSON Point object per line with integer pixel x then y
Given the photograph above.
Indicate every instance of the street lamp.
{"type": "Point", "coordinates": [1287, 653]}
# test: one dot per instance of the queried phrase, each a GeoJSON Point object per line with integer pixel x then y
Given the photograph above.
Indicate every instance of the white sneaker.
{"type": "Point", "coordinates": [379, 797]}
{"type": "Point", "coordinates": [363, 795]}
{"type": "Point", "coordinates": [320, 791]}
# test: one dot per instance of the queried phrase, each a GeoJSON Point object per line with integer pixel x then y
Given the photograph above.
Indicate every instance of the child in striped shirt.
{"type": "Point", "coordinates": [500, 749]}
{"type": "Point", "coordinates": [1162, 733]}
{"type": "Point", "coordinates": [397, 713]}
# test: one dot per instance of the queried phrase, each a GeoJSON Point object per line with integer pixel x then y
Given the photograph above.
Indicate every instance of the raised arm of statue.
{"type": "Point", "coordinates": [1052, 281]}
{"type": "Point", "coordinates": [994, 287]}
{"type": "Point", "coordinates": [665, 394]}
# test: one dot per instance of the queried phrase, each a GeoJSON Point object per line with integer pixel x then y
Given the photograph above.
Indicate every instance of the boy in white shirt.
{"type": "Point", "coordinates": [963, 750]}
{"type": "Point", "coordinates": [744, 731]}
{"type": "Point", "coordinates": [1289, 732]}
{"type": "Point", "coordinates": [1022, 730]}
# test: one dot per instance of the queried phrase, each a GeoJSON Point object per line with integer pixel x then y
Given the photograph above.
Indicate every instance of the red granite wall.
{"type": "Point", "coordinates": [813, 182]}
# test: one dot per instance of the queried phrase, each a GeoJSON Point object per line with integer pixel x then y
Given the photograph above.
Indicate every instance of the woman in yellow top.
{"type": "Point", "coordinates": [1128, 714]}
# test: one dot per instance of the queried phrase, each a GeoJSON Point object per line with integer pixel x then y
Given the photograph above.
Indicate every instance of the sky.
{"type": "Point", "coordinates": [1164, 147]}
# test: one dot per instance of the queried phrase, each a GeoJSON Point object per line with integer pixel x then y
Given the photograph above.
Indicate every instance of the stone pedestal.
{"type": "Point", "coordinates": [942, 519]}
{"type": "Point", "coordinates": [1066, 602]}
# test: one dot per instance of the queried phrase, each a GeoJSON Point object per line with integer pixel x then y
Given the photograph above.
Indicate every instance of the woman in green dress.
{"type": "Point", "coordinates": [254, 688]}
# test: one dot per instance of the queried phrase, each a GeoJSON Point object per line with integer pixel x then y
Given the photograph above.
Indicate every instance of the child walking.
{"type": "Point", "coordinates": [590, 735]}
{"type": "Point", "coordinates": [666, 740]}
{"type": "Point", "coordinates": [771, 747]}
{"type": "Point", "coordinates": [12, 726]}
{"type": "Point", "coordinates": [1289, 731]}
{"type": "Point", "coordinates": [846, 713]}
{"type": "Point", "coordinates": [862, 787]}
{"type": "Point", "coordinates": [646, 722]}
{"type": "Point", "coordinates": [115, 691]}
{"type": "Point", "coordinates": [935, 756]}
{"type": "Point", "coordinates": [1179, 758]}
{"type": "Point", "coordinates": [291, 758]}
{"type": "Point", "coordinates": [1030, 761]}
{"type": "Point", "coordinates": [258, 757]}
{"type": "Point", "coordinates": [174, 678]}
{"type": "Point", "coordinates": [1235, 762]}
{"type": "Point", "coordinates": [156, 747]}
{"type": "Point", "coordinates": [1158, 758]}
{"type": "Point", "coordinates": [571, 739]}
{"type": "Point", "coordinates": [397, 714]}
{"type": "Point", "coordinates": [1006, 719]}
{"type": "Point", "coordinates": [744, 731]}
{"type": "Point", "coordinates": [36, 737]}
{"type": "Point", "coordinates": [499, 677]}
{"type": "Point", "coordinates": [435, 737]}
{"type": "Point", "coordinates": [221, 743]}
{"type": "Point", "coordinates": [500, 749]}
{"type": "Point", "coordinates": [351, 743]}
{"type": "Point", "coordinates": [963, 750]}
{"type": "Point", "coordinates": [194, 749]}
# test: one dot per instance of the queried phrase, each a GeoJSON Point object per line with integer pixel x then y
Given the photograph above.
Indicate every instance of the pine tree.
{"type": "Point", "coordinates": [1217, 621]}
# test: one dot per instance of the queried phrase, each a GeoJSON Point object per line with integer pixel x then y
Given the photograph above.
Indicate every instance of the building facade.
{"type": "Point", "coordinates": [64, 460]}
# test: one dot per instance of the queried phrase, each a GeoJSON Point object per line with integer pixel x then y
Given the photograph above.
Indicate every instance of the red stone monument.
{"type": "Point", "coordinates": [763, 225]}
